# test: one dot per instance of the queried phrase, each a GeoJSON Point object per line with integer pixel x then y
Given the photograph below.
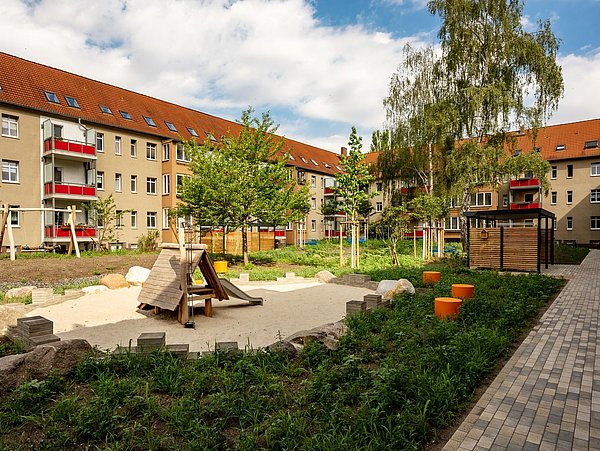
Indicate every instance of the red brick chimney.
{"type": "Point", "coordinates": [344, 151]}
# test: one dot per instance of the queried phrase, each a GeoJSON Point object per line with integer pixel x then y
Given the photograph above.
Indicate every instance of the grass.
{"type": "Point", "coordinates": [565, 254]}
{"type": "Point", "coordinates": [398, 376]}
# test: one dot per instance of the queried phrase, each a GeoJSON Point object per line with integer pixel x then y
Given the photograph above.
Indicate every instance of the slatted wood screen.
{"type": "Point", "coordinates": [520, 248]}
{"type": "Point", "coordinates": [214, 241]}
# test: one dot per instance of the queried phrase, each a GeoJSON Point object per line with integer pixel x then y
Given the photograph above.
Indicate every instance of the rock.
{"type": "Point", "coordinates": [94, 289]}
{"type": "Point", "coordinates": [327, 334]}
{"type": "Point", "coordinates": [403, 286]}
{"type": "Point", "coordinates": [137, 275]}
{"type": "Point", "coordinates": [19, 292]}
{"type": "Point", "coordinates": [114, 281]}
{"type": "Point", "coordinates": [61, 356]}
{"type": "Point", "coordinates": [284, 347]}
{"type": "Point", "coordinates": [385, 285]}
{"type": "Point", "coordinates": [324, 276]}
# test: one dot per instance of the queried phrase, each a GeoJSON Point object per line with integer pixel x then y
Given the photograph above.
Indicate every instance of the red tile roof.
{"type": "Point", "coordinates": [23, 83]}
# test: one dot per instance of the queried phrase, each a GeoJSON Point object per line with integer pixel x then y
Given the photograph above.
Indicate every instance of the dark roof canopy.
{"type": "Point", "coordinates": [529, 213]}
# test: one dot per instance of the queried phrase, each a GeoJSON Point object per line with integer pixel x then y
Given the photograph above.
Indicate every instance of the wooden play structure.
{"type": "Point", "coordinates": [520, 240]}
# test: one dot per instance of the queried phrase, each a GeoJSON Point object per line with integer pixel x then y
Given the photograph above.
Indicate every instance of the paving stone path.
{"type": "Point", "coordinates": [547, 397]}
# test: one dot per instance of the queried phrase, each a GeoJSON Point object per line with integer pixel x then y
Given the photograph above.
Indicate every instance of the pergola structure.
{"type": "Point", "coordinates": [497, 242]}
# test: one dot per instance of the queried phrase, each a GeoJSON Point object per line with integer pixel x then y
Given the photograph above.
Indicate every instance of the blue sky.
{"type": "Point", "coordinates": [318, 66]}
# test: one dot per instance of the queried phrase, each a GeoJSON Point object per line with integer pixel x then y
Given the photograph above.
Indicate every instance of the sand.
{"type": "Point", "coordinates": [111, 318]}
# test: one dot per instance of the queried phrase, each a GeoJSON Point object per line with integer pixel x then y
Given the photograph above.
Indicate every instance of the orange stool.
{"type": "Point", "coordinates": [447, 307]}
{"type": "Point", "coordinates": [463, 291]}
{"type": "Point", "coordinates": [431, 277]}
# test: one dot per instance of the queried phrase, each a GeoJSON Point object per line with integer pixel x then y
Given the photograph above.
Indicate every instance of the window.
{"type": "Point", "coordinates": [483, 199]}
{"type": "Point", "coordinates": [10, 171]}
{"type": "Point", "coordinates": [569, 197]}
{"type": "Point", "coordinates": [595, 196]}
{"type": "Point", "coordinates": [151, 185]}
{"type": "Point", "coordinates": [57, 130]}
{"type": "Point", "coordinates": [302, 176]}
{"type": "Point", "coordinates": [179, 181]}
{"type": "Point", "coordinates": [516, 153]}
{"type": "Point", "coordinates": [117, 145]}
{"type": "Point", "coordinates": [303, 159]}
{"type": "Point", "coordinates": [166, 152]}
{"type": "Point", "coordinates": [591, 144]}
{"type": "Point", "coordinates": [149, 121]}
{"type": "Point", "coordinates": [100, 142]}
{"type": "Point", "coordinates": [118, 182]}
{"type": "Point", "coordinates": [529, 198]}
{"type": "Point", "coordinates": [134, 219]}
{"type": "Point", "coordinates": [166, 184]}
{"type": "Point", "coordinates": [170, 126]}
{"type": "Point", "coordinates": [10, 126]}
{"type": "Point", "coordinates": [14, 216]}
{"type": "Point", "coordinates": [182, 155]}
{"type": "Point", "coordinates": [313, 181]}
{"type": "Point", "coordinates": [379, 206]}
{"type": "Point", "coordinates": [595, 222]}
{"type": "Point", "coordinates": [452, 223]}
{"type": "Point", "coordinates": [554, 172]}
{"type": "Point", "coordinates": [125, 115]}
{"type": "Point", "coordinates": [313, 203]}
{"type": "Point", "coordinates": [100, 181]}
{"type": "Point", "coordinates": [165, 218]}
{"type": "Point", "coordinates": [537, 149]}
{"type": "Point", "coordinates": [133, 148]}
{"type": "Point", "coordinates": [105, 109]}
{"type": "Point", "coordinates": [134, 183]}
{"type": "Point", "coordinates": [314, 162]}
{"type": "Point", "coordinates": [379, 186]}
{"type": "Point", "coordinates": [72, 102]}
{"type": "Point", "coordinates": [211, 137]}
{"type": "Point", "coordinates": [326, 165]}
{"type": "Point", "coordinates": [595, 171]}
{"type": "Point", "coordinates": [313, 225]}
{"type": "Point", "coordinates": [119, 219]}
{"type": "Point", "coordinates": [51, 97]}
{"type": "Point", "coordinates": [569, 222]}
{"type": "Point", "coordinates": [553, 197]}
{"type": "Point", "coordinates": [192, 132]}
{"type": "Point", "coordinates": [151, 220]}
{"type": "Point", "coordinates": [505, 200]}
{"type": "Point", "coordinates": [150, 151]}
{"type": "Point", "coordinates": [289, 226]}
{"type": "Point", "coordinates": [560, 147]}
{"type": "Point", "coordinates": [569, 171]}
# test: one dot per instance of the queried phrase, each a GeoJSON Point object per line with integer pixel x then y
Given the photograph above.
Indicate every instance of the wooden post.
{"type": "Point", "coordinates": [184, 314]}
{"type": "Point", "coordinates": [3, 221]}
{"type": "Point", "coordinates": [11, 240]}
{"type": "Point", "coordinates": [73, 242]}
{"type": "Point", "coordinates": [341, 247]}
{"type": "Point", "coordinates": [415, 242]}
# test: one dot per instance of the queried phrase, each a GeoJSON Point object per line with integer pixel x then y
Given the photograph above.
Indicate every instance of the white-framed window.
{"type": "Point", "coordinates": [100, 180]}
{"type": "Point", "coordinates": [151, 185]}
{"type": "Point", "coordinates": [165, 218]}
{"type": "Point", "coordinates": [569, 197]}
{"type": "Point", "coordinates": [569, 222]}
{"type": "Point", "coordinates": [10, 126]}
{"type": "Point", "coordinates": [133, 148]}
{"type": "Point", "coordinates": [179, 182]}
{"type": "Point", "coordinates": [554, 172]}
{"type": "Point", "coordinates": [117, 145]}
{"type": "Point", "coordinates": [166, 184]}
{"type": "Point", "coordinates": [505, 200]}
{"type": "Point", "coordinates": [119, 219]}
{"type": "Point", "coordinates": [379, 206]}
{"type": "Point", "coordinates": [553, 197]}
{"type": "Point", "coordinates": [595, 196]}
{"type": "Point", "coordinates": [528, 198]}
{"type": "Point", "coordinates": [313, 225]}
{"type": "Point", "coordinates": [591, 144]}
{"type": "Point", "coordinates": [166, 152]}
{"type": "Point", "coordinates": [10, 171]}
{"type": "Point", "coordinates": [595, 222]}
{"type": "Point", "coordinates": [289, 226]}
{"type": "Point", "coordinates": [14, 217]}
{"type": "Point", "coordinates": [595, 169]}
{"type": "Point", "coordinates": [134, 183]}
{"type": "Point", "coordinates": [150, 151]}
{"type": "Point", "coordinates": [151, 220]}
{"type": "Point", "coordinates": [569, 171]}
{"type": "Point", "coordinates": [451, 223]}
{"type": "Point", "coordinates": [134, 219]}
{"type": "Point", "coordinates": [118, 185]}
{"type": "Point", "coordinates": [379, 186]}
{"type": "Point", "coordinates": [99, 142]}
{"type": "Point", "coordinates": [182, 155]}
{"type": "Point", "coordinates": [313, 181]}
{"type": "Point", "coordinates": [483, 199]}
{"type": "Point", "coordinates": [313, 203]}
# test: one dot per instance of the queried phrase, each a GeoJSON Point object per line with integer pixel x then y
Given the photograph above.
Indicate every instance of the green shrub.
{"type": "Point", "coordinates": [148, 242]}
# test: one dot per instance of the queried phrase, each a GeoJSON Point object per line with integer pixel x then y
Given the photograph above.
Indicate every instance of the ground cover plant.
{"type": "Point", "coordinates": [397, 377]}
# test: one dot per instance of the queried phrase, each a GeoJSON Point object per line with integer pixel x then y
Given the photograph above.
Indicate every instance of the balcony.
{"type": "Point", "coordinates": [73, 149]}
{"type": "Point", "coordinates": [329, 191]}
{"type": "Point", "coordinates": [64, 231]}
{"type": "Point", "coordinates": [69, 190]}
{"type": "Point", "coordinates": [524, 205]}
{"type": "Point", "coordinates": [524, 184]}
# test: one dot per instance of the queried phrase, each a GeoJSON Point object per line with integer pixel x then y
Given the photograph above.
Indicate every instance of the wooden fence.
{"type": "Point", "coordinates": [519, 250]}
{"type": "Point", "coordinates": [257, 241]}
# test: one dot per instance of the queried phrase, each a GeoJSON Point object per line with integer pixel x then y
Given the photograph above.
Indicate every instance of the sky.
{"type": "Point", "coordinates": [319, 66]}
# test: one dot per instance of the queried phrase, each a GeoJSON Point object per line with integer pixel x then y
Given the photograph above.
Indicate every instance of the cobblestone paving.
{"type": "Point", "coordinates": [547, 397]}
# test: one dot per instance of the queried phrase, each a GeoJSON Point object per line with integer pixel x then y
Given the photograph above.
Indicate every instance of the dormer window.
{"type": "Point", "coordinates": [591, 144]}
{"type": "Point", "coordinates": [192, 131]}
{"type": "Point", "coordinates": [105, 109]}
{"type": "Point", "coordinates": [211, 137]}
{"type": "Point", "coordinates": [560, 147]}
{"type": "Point", "coordinates": [125, 115]}
{"type": "Point", "coordinates": [303, 159]}
{"type": "Point", "coordinates": [170, 126]}
{"type": "Point", "coordinates": [326, 165]}
{"type": "Point", "coordinates": [51, 97]}
{"type": "Point", "coordinates": [72, 102]}
{"type": "Point", "coordinates": [314, 162]}
{"type": "Point", "coordinates": [292, 158]}
{"type": "Point", "coordinates": [149, 121]}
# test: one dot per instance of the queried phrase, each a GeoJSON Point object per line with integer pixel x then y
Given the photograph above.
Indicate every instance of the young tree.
{"type": "Point", "coordinates": [394, 226]}
{"type": "Point", "coordinates": [352, 187]}
{"type": "Point", "coordinates": [104, 213]}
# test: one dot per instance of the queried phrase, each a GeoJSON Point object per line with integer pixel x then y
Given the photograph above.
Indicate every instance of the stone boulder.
{"type": "Point", "coordinates": [324, 276]}
{"type": "Point", "coordinates": [402, 286]}
{"type": "Point", "coordinates": [19, 292]}
{"type": "Point", "coordinates": [114, 281]}
{"type": "Point", "coordinates": [328, 334]}
{"type": "Point", "coordinates": [284, 347]}
{"type": "Point", "coordinates": [61, 356]}
{"type": "Point", "coordinates": [94, 289]}
{"type": "Point", "coordinates": [137, 275]}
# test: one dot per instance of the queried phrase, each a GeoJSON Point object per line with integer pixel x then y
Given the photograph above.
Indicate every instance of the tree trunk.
{"type": "Point", "coordinates": [245, 245]}
{"type": "Point", "coordinates": [464, 207]}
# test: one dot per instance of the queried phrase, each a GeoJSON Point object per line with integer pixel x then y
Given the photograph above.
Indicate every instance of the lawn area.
{"type": "Point", "coordinates": [398, 377]}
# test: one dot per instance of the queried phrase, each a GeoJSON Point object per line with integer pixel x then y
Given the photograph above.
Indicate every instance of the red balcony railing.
{"type": "Point", "coordinates": [70, 189]}
{"type": "Point", "coordinates": [524, 205]}
{"type": "Point", "coordinates": [65, 231]}
{"type": "Point", "coordinates": [332, 233]}
{"type": "Point", "coordinates": [69, 146]}
{"type": "Point", "coordinates": [524, 183]}
{"type": "Point", "coordinates": [329, 190]}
